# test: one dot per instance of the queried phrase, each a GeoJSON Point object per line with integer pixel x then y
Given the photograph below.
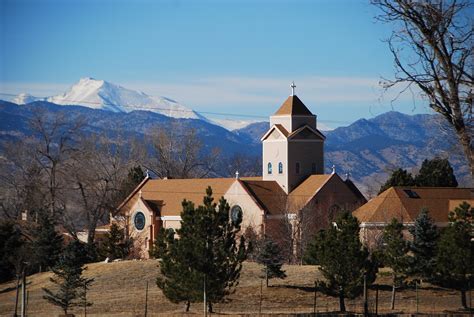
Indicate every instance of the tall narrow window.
{"type": "Point", "coordinates": [269, 168]}
{"type": "Point", "coordinates": [280, 168]}
{"type": "Point", "coordinates": [313, 168]}
{"type": "Point", "coordinates": [297, 168]}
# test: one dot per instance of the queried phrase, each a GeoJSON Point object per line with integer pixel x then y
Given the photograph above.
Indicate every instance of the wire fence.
{"type": "Point", "coordinates": [277, 300]}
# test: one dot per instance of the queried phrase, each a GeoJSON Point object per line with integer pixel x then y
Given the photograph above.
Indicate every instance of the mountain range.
{"type": "Point", "coordinates": [367, 150]}
{"type": "Point", "coordinates": [103, 95]}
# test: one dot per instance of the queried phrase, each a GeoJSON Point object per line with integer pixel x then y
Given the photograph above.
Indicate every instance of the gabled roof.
{"type": "Point", "coordinates": [305, 191]}
{"type": "Point", "coordinates": [293, 106]}
{"type": "Point", "coordinates": [355, 190]}
{"type": "Point", "coordinates": [306, 127]}
{"type": "Point", "coordinates": [277, 127]}
{"type": "Point", "coordinates": [268, 195]}
{"type": "Point", "coordinates": [405, 203]}
{"type": "Point", "coordinates": [167, 195]}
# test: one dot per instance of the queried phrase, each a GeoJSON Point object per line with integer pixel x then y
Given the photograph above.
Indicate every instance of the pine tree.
{"type": "Point", "coordinates": [11, 241]}
{"type": "Point", "coordinates": [71, 285]}
{"type": "Point", "coordinates": [399, 177]}
{"type": "Point", "coordinates": [425, 237]}
{"type": "Point", "coordinates": [394, 254]}
{"type": "Point", "coordinates": [271, 257]}
{"type": "Point", "coordinates": [436, 173]}
{"type": "Point", "coordinates": [455, 254]}
{"type": "Point", "coordinates": [206, 255]}
{"type": "Point", "coordinates": [114, 245]}
{"type": "Point", "coordinates": [47, 243]}
{"type": "Point", "coordinates": [342, 259]}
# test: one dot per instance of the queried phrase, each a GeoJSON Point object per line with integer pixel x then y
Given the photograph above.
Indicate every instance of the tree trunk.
{"type": "Point", "coordinates": [463, 299]}
{"type": "Point", "coordinates": [209, 306]}
{"type": "Point", "coordinates": [342, 305]}
{"type": "Point", "coordinates": [465, 139]}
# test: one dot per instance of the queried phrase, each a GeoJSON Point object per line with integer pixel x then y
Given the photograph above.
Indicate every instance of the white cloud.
{"type": "Point", "coordinates": [248, 92]}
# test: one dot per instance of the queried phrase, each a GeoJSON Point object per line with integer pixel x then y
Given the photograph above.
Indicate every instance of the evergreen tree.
{"type": "Point", "coordinates": [394, 254]}
{"type": "Point", "coordinates": [178, 282]}
{"type": "Point", "coordinates": [11, 241]}
{"type": "Point", "coordinates": [71, 285]}
{"type": "Point", "coordinates": [114, 245]}
{"type": "Point", "coordinates": [399, 177]}
{"type": "Point", "coordinates": [342, 259]}
{"type": "Point", "coordinates": [47, 243]}
{"type": "Point", "coordinates": [436, 173]}
{"type": "Point", "coordinates": [455, 253]}
{"type": "Point", "coordinates": [271, 257]}
{"type": "Point", "coordinates": [425, 237]}
{"type": "Point", "coordinates": [206, 254]}
{"type": "Point", "coordinates": [82, 252]}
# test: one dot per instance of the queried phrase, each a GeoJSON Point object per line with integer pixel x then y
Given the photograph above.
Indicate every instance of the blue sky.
{"type": "Point", "coordinates": [219, 56]}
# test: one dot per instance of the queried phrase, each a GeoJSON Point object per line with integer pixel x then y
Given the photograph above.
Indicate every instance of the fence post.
{"type": "Point", "coordinates": [416, 291]}
{"type": "Point", "coordinates": [376, 300]}
{"type": "Point", "coordinates": [85, 299]}
{"type": "Point", "coordinates": [315, 297]}
{"type": "Point", "coordinates": [146, 299]}
{"type": "Point", "coordinates": [23, 293]}
{"type": "Point", "coordinates": [366, 306]}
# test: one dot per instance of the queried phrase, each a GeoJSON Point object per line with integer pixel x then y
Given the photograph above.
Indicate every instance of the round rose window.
{"type": "Point", "coordinates": [139, 220]}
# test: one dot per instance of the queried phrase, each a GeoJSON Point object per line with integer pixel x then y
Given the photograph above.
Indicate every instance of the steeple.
{"type": "Point", "coordinates": [293, 148]}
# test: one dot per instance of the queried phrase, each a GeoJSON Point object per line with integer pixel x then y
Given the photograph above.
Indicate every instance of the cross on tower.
{"type": "Point", "coordinates": [293, 86]}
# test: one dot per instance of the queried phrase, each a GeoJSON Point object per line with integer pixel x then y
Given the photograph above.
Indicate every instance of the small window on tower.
{"type": "Point", "coordinates": [297, 168]}
{"type": "Point", "coordinates": [280, 168]}
{"type": "Point", "coordinates": [269, 168]}
{"type": "Point", "coordinates": [313, 168]}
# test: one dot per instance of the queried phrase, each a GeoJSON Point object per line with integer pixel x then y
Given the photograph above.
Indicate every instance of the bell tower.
{"type": "Point", "coordinates": [293, 147]}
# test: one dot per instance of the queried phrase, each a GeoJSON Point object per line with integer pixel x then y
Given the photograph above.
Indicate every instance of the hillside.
{"type": "Point", "coordinates": [119, 290]}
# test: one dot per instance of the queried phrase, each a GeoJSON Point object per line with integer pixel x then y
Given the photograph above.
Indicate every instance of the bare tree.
{"type": "Point", "coordinates": [21, 181]}
{"type": "Point", "coordinates": [178, 153]}
{"type": "Point", "coordinates": [96, 175]}
{"type": "Point", "coordinates": [246, 165]}
{"type": "Point", "coordinates": [56, 136]}
{"type": "Point", "coordinates": [31, 171]}
{"type": "Point", "coordinates": [433, 49]}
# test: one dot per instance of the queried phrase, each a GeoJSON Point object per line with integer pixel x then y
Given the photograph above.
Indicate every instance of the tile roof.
{"type": "Point", "coordinates": [168, 194]}
{"type": "Point", "coordinates": [268, 195]}
{"type": "Point", "coordinates": [405, 203]}
{"type": "Point", "coordinates": [293, 106]}
{"type": "Point", "coordinates": [172, 192]}
{"type": "Point", "coordinates": [308, 188]}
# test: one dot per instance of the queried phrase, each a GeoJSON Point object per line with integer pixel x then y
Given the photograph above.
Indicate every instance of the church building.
{"type": "Point", "coordinates": [293, 190]}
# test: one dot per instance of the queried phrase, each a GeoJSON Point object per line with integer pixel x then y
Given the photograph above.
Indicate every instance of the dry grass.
{"type": "Point", "coordinates": [119, 290]}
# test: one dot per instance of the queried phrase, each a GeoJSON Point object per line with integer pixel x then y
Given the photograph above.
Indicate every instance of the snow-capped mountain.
{"type": "Point", "coordinates": [231, 124]}
{"type": "Point", "coordinates": [100, 94]}
{"type": "Point", "coordinates": [22, 99]}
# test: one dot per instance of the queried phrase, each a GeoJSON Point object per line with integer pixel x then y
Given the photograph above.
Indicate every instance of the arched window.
{"type": "Point", "coordinates": [269, 168]}
{"type": "Point", "coordinates": [297, 167]}
{"type": "Point", "coordinates": [280, 168]}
